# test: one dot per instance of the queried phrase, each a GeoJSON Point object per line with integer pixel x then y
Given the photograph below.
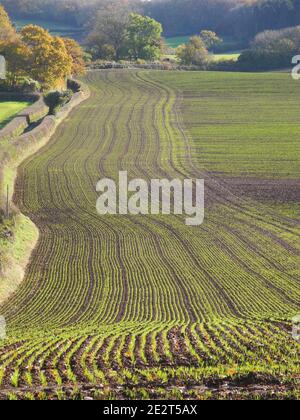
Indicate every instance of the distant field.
{"type": "Point", "coordinates": [215, 57]}
{"type": "Point", "coordinates": [174, 42]}
{"type": "Point", "coordinates": [227, 56]}
{"type": "Point", "coordinates": [55, 28]}
{"type": "Point", "coordinates": [9, 109]}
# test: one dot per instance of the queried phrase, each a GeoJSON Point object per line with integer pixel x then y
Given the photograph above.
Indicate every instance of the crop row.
{"type": "Point", "coordinates": [152, 359]}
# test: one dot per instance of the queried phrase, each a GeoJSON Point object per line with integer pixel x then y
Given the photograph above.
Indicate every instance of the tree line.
{"type": "Point", "coordinates": [118, 32]}
{"type": "Point", "coordinates": [271, 50]}
{"type": "Point", "coordinates": [242, 19]}
{"type": "Point", "coordinates": [268, 51]}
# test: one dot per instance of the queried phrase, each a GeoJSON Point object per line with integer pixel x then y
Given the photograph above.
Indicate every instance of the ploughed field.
{"type": "Point", "coordinates": [144, 306]}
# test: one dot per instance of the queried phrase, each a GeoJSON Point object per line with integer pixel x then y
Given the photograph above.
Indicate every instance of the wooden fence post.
{"type": "Point", "coordinates": [7, 202]}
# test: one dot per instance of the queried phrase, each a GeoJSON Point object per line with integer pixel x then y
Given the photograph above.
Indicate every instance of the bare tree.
{"type": "Point", "coordinates": [109, 26]}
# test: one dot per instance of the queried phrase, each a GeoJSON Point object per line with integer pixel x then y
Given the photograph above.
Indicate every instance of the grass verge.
{"type": "Point", "coordinates": [9, 109]}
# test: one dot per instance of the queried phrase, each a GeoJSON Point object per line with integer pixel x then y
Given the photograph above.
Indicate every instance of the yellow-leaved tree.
{"type": "Point", "coordinates": [77, 55]}
{"type": "Point", "coordinates": [36, 54]}
{"type": "Point", "coordinates": [11, 47]}
{"type": "Point", "coordinates": [48, 60]}
{"type": "Point", "coordinates": [16, 54]}
{"type": "Point", "coordinates": [7, 31]}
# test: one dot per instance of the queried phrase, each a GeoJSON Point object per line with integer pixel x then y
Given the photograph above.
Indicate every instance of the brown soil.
{"type": "Point", "coordinates": [266, 190]}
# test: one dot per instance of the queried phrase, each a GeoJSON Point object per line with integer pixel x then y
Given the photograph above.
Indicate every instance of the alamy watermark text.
{"type": "Point", "coordinates": [166, 197]}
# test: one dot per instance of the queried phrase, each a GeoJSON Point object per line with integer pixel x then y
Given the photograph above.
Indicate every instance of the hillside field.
{"type": "Point", "coordinates": [144, 306]}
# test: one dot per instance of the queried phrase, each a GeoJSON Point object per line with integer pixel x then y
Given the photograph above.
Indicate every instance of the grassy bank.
{"type": "Point", "coordinates": [18, 234]}
{"type": "Point", "coordinates": [18, 237]}
{"type": "Point", "coordinates": [9, 109]}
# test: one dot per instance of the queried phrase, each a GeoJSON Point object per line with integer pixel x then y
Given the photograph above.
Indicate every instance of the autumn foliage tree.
{"type": "Point", "coordinates": [48, 60]}
{"type": "Point", "coordinates": [77, 55]}
{"type": "Point", "coordinates": [34, 53]}
{"type": "Point", "coordinates": [12, 49]}
{"type": "Point", "coordinates": [7, 31]}
{"type": "Point", "coordinates": [210, 39]}
{"type": "Point", "coordinates": [16, 54]}
{"type": "Point", "coordinates": [193, 53]}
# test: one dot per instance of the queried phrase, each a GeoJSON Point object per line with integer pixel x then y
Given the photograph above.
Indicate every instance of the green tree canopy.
{"type": "Point", "coordinates": [119, 34]}
{"type": "Point", "coordinates": [271, 50]}
{"type": "Point", "coordinates": [36, 54]}
{"type": "Point", "coordinates": [7, 31]}
{"type": "Point", "coordinates": [143, 37]}
{"type": "Point", "coordinates": [193, 53]}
